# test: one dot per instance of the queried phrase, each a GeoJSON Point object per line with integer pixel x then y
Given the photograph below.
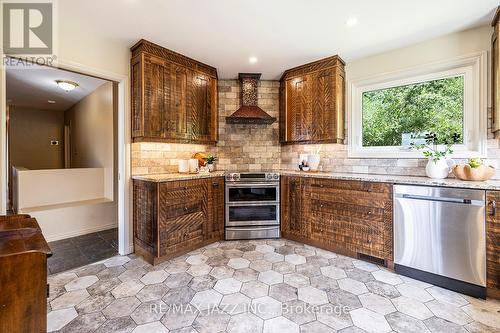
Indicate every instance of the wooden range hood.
{"type": "Point", "coordinates": [249, 112]}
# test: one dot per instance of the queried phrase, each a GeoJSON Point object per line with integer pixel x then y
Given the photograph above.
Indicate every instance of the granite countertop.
{"type": "Point", "coordinates": [170, 177]}
{"type": "Point", "coordinates": [409, 180]}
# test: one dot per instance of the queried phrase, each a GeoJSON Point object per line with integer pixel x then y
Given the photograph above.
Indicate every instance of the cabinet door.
{"type": "Point", "coordinates": [215, 224]}
{"type": "Point", "coordinates": [298, 108]}
{"type": "Point", "coordinates": [493, 239]}
{"type": "Point", "coordinates": [495, 84]}
{"type": "Point", "coordinates": [156, 96]}
{"type": "Point", "coordinates": [200, 108]}
{"type": "Point", "coordinates": [293, 219]}
{"type": "Point", "coordinates": [353, 215]}
{"type": "Point", "coordinates": [323, 103]}
{"type": "Point", "coordinates": [178, 123]}
{"type": "Point", "coordinates": [136, 69]}
{"type": "Point", "coordinates": [183, 212]}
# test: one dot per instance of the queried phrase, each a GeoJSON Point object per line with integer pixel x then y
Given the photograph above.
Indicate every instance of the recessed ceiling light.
{"type": "Point", "coordinates": [252, 60]}
{"type": "Point", "coordinates": [66, 85]}
{"type": "Point", "coordinates": [351, 21]}
{"type": "Point", "coordinates": [51, 101]}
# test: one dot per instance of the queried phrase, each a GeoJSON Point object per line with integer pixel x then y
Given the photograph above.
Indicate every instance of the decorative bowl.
{"type": "Point", "coordinates": [466, 172]}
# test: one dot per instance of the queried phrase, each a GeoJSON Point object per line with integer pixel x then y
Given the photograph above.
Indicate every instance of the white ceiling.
{"type": "Point", "coordinates": [33, 87]}
{"type": "Point", "coordinates": [280, 33]}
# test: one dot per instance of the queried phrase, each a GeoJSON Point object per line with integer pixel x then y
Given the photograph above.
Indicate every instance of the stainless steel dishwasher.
{"type": "Point", "coordinates": [439, 237]}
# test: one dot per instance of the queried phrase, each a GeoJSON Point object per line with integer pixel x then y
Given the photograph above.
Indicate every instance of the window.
{"type": "Point", "coordinates": [392, 110]}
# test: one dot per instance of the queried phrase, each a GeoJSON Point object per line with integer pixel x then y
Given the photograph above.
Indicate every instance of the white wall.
{"type": "Point", "coordinates": [42, 188]}
{"type": "Point", "coordinates": [443, 48]}
{"type": "Point", "coordinates": [92, 133]}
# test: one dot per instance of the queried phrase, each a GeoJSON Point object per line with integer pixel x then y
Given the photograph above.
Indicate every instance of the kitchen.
{"type": "Point", "coordinates": [298, 207]}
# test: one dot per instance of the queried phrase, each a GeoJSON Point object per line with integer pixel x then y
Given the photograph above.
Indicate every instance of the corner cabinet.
{"type": "Point", "coordinates": [312, 99]}
{"type": "Point", "coordinates": [174, 98]}
{"type": "Point", "coordinates": [175, 217]}
{"type": "Point", "coordinates": [495, 76]}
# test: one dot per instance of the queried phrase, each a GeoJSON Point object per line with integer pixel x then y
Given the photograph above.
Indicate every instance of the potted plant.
{"type": "Point", "coordinates": [209, 162]}
{"type": "Point", "coordinates": [438, 166]}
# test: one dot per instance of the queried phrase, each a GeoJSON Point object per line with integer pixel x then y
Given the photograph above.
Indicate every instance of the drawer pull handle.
{"type": "Point", "coordinates": [185, 209]}
{"type": "Point", "coordinates": [493, 207]}
{"type": "Point", "coordinates": [369, 212]}
{"type": "Point", "coordinates": [215, 184]}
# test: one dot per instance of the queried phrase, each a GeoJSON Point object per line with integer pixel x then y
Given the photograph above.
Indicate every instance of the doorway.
{"type": "Point", "coordinates": [62, 149]}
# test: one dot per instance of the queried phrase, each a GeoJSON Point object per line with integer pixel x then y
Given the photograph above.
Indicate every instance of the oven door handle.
{"type": "Point", "coordinates": [252, 203]}
{"type": "Point", "coordinates": [252, 185]}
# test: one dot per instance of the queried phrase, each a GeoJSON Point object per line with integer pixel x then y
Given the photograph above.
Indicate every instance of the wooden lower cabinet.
{"type": "Point", "coordinates": [175, 217]}
{"type": "Point", "coordinates": [493, 243]}
{"type": "Point", "coordinates": [23, 275]}
{"type": "Point", "coordinates": [349, 217]}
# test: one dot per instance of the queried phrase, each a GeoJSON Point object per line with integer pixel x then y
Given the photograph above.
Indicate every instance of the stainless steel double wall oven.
{"type": "Point", "coordinates": [252, 205]}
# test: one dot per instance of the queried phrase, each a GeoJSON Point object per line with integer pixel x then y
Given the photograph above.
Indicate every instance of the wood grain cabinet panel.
{"type": "Point", "coordinates": [293, 222]}
{"type": "Point", "coordinates": [350, 217]}
{"type": "Point", "coordinates": [174, 98]}
{"type": "Point", "coordinates": [173, 218]}
{"type": "Point", "coordinates": [493, 240]}
{"type": "Point", "coordinates": [495, 77]}
{"type": "Point", "coordinates": [215, 226]}
{"type": "Point", "coordinates": [312, 102]}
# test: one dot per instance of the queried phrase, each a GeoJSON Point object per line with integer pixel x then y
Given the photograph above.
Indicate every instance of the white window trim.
{"type": "Point", "coordinates": [474, 69]}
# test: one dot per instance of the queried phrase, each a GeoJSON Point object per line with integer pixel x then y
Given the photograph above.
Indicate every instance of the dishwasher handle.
{"type": "Point", "coordinates": [441, 199]}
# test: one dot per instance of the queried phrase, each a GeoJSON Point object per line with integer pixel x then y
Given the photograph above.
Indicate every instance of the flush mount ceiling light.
{"type": "Point", "coordinates": [66, 85]}
{"type": "Point", "coordinates": [351, 21]}
{"type": "Point", "coordinates": [252, 60]}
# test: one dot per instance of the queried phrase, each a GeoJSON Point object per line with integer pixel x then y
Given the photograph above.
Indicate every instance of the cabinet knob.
{"type": "Point", "coordinates": [215, 184]}
{"type": "Point", "coordinates": [184, 188]}
{"type": "Point", "coordinates": [369, 212]}
{"type": "Point", "coordinates": [185, 209]}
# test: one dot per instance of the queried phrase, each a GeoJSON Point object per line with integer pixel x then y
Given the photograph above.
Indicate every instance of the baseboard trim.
{"type": "Point", "coordinates": [80, 232]}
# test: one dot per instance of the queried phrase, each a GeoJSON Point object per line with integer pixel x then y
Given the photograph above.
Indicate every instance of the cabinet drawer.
{"type": "Point", "coordinates": [178, 193]}
{"type": "Point", "coordinates": [177, 210]}
{"type": "Point", "coordinates": [333, 185]}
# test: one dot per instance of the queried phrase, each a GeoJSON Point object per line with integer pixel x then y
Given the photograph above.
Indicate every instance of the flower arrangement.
{"type": "Point", "coordinates": [431, 148]}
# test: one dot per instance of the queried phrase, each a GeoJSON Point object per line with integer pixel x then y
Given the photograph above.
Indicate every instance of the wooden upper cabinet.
{"type": "Point", "coordinates": [174, 98]}
{"type": "Point", "coordinates": [312, 102]}
{"type": "Point", "coordinates": [495, 70]}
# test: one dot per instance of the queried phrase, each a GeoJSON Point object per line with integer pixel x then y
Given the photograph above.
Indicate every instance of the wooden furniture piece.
{"type": "Point", "coordinates": [493, 243]}
{"type": "Point", "coordinates": [174, 98]}
{"type": "Point", "coordinates": [175, 217]}
{"type": "Point", "coordinates": [495, 75]}
{"type": "Point", "coordinates": [23, 275]}
{"type": "Point", "coordinates": [349, 217]}
{"type": "Point", "coordinates": [312, 99]}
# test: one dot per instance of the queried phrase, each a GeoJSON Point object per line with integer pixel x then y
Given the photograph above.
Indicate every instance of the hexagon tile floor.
{"type": "Point", "coordinates": [257, 286]}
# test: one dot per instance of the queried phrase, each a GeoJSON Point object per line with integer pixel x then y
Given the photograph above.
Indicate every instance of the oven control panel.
{"type": "Point", "coordinates": [253, 177]}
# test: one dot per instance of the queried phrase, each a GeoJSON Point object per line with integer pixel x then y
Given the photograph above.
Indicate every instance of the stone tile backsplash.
{"type": "Point", "coordinates": [257, 147]}
{"type": "Point", "coordinates": [240, 147]}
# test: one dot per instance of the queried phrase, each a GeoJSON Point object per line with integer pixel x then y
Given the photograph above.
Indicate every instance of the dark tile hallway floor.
{"type": "Point", "coordinates": [82, 250]}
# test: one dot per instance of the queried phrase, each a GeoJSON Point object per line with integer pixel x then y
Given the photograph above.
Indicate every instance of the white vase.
{"type": "Point", "coordinates": [439, 169]}
{"type": "Point", "coordinates": [211, 167]}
